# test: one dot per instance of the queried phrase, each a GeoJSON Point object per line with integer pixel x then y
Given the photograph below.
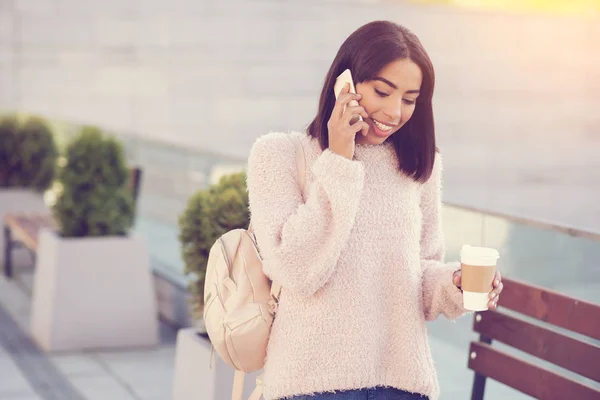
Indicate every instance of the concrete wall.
{"type": "Point", "coordinates": [516, 101]}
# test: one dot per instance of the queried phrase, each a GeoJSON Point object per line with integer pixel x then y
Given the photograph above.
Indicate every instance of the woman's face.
{"type": "Point", "coordinates": [389, 99]}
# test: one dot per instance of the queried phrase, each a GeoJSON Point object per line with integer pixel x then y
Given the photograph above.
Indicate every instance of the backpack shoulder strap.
{"type": "Point", "coordinates": [238, 387]}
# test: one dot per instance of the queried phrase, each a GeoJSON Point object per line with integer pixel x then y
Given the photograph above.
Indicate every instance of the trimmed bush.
{"type": "Point", "coordinates": [28, 153]}
{"type": "Point", "coordinates": [209, 214]}
{"type": "Point", "coordinates": [9, 127]}
{"type": "Point", "coordinates": [93, 199]}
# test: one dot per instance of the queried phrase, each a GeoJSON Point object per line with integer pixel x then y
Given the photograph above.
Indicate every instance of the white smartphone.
{"type": "Point", "coordinates": [342, 79]}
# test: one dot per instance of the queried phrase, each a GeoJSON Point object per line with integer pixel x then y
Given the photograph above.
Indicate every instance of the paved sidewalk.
{"type": "Point", "coordinates": [13, 385]}
{"type": "Point", "coordinates": [28, 370]}
{"type": "Point", "coordinates": [28, 374]}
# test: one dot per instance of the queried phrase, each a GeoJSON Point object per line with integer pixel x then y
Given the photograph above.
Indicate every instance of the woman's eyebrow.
{"type": "Point", "coordinates": [416, 91]}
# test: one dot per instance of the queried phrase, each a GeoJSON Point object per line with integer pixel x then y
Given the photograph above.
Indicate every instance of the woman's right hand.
{"type": "Point", "coordinates": [341, 133]}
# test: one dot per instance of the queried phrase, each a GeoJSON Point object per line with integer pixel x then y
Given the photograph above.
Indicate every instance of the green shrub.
{"type": "Point", "coordinates": [8, 141]}
{"type": "Point", "coordinates": [93, 199]}
{"type": "Point", "coordinates": [28, 153]}
{"type": "Point", "coordinates": [209, 214]}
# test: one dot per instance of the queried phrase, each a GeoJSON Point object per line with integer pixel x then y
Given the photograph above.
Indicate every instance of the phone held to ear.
{"type": "Point", "coordinates": [344, 78]}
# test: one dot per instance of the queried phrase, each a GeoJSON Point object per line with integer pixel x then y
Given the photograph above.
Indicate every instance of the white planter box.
{"type": "Point", "coordinates": [195, 379]}
{"type": "Point", "coordinates": [13, 200]}
{"type": "Point", "coordinates": [93, 293]}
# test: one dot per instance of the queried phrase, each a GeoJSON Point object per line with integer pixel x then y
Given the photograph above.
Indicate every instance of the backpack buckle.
{"type": "Point", "coordinates": [272, 306]}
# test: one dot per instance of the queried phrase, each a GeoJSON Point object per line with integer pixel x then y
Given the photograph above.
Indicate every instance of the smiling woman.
{"type": "Point", "coordinates": [395, 81]}
{"type": "Point", "coordinates": [354, 237]}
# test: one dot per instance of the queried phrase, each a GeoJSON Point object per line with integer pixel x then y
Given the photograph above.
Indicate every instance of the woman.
{"type": "Point", "coordinates": [359, 251]}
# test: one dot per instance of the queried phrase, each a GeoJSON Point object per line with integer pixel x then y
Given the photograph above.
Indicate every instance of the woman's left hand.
{"type": "Point", "coordinates": [494, 294]}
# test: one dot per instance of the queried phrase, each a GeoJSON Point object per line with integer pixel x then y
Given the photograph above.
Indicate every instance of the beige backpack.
{"type": "Point", "coordinates": [240, 301]}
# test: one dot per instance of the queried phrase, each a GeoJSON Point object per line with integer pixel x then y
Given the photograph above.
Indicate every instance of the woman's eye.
{"type": "Point", "coordinates": [381, 94]}
{"type": "Point", "coordinates": [409, 102]}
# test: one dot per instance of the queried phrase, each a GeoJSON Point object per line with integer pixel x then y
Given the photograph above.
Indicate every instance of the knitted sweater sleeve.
{"type": "Point", "coordinates": [440, 295]}
{"type": "Point", "coordinates": [301, 240]}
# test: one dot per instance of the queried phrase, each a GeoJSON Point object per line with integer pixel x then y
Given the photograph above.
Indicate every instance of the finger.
{"type": "Point", "coordinates": [337, 110]}
{"type": "Point", "coordinates": [492, 305]}
{"type": "Point", "coordinates": [351, 112]}
{"type": "Point", "coordinates": [457, 276]}
{"type": "Point", "coordinates": [342, 101]}
{"type": "Point", "coordinates": [347, 98]}
{"type": "Point", "coordinates": [365, 129]}
{"type": "Point", "coordinates": [359, 126]}
{"type": "Point", "coordinates": [457, 279]}
{"type": "Point", "coordinates": [345, 89]}
{"type": "Point", "coordinates": [358, 110]}
{"type": "Point", "coordinates": [497, 278]}
{"type": "Point", "coordinates": [499, 288]}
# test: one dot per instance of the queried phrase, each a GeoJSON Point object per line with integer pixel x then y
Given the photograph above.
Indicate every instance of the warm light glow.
{"type": "Point", "coordinates": [585, 7]}
{"type": "Point", "coordinates": [52, 193]}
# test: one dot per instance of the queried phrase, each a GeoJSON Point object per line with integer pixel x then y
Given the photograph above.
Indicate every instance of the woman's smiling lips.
{"type": "Point", "coordinates": [381, 129]}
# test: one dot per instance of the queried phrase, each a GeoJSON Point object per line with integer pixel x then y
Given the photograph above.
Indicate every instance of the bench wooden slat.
{"type": "Point", "coordinates": [572, 354]}
{"type": "Point", "coordinates": [526, 377]}
{"type": "Point", "coordinates": [25, 227]}
{"type": "Point", "coordinates": [552, 307]}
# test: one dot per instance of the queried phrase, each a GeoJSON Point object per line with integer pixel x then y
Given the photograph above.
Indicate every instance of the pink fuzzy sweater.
{"type": "Point", "coordinates": [359, 255]}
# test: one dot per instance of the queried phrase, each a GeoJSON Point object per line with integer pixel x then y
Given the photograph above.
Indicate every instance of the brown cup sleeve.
{"type": "Point", "coordinates": [477, 278]}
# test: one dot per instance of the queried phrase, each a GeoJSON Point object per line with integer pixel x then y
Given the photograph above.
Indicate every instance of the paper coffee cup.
{"type": "Point", "coordinates": [478, 269]}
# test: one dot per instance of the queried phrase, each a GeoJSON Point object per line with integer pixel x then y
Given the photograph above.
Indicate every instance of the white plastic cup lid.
{"type": "Point", "coordinates": [479, 255]}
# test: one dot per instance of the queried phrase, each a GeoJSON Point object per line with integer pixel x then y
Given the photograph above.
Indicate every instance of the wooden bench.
{"type": "Point", "coordinates": [562, 349]}
{"type": "Point", "coordinates": [21, 229]}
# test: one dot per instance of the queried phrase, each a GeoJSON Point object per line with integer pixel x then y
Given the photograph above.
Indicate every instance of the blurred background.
{"type": "Point", "coordinates": [187, 86]}
{"type": "Point", "coordinates": [518, 83]}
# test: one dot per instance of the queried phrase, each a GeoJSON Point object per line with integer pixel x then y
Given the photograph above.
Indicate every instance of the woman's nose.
{"type": "Point", "coordinates": [394, 114]}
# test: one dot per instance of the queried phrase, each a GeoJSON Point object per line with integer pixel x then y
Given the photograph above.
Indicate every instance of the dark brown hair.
{"type": "Point", "coordinates": [366, 52]}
